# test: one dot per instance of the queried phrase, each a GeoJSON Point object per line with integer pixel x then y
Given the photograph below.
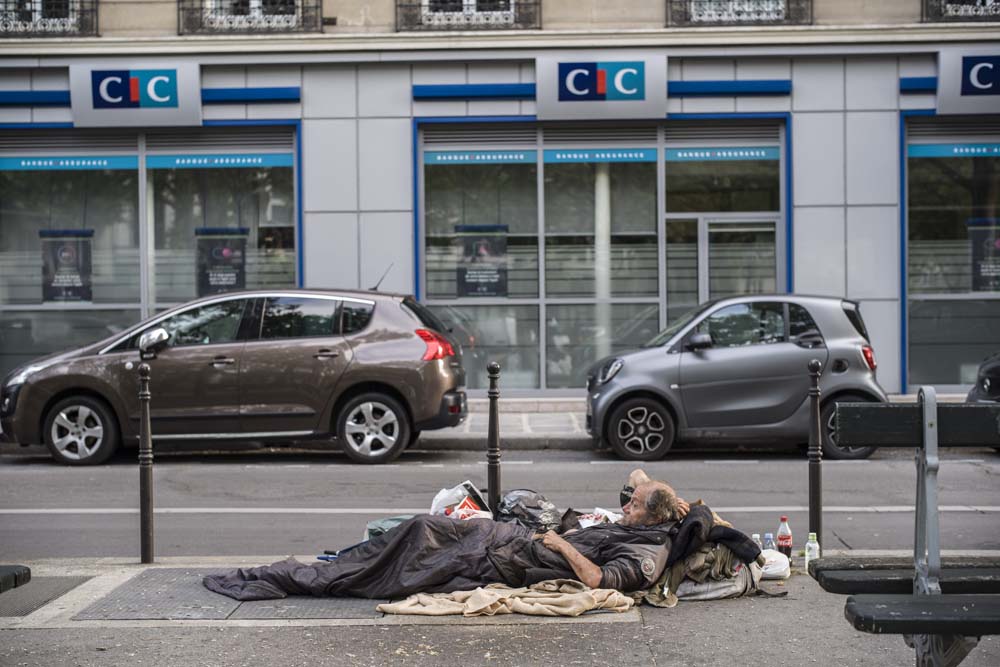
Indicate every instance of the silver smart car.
{"type": "Point", "coordinates": [734, 370]}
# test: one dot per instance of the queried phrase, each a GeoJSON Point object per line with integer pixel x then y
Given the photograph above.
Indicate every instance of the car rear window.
{"type": "Point", "coordinates": [355, 316]}
{"type": "Point", "coordinates": [800, 321]}
{"type": "Point", "coordinates": [853, 312]}
{"type": "Point", "coordinates": [425, 315]}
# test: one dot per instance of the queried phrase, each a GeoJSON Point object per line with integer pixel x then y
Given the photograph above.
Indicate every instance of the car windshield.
{"type": "Point", "coordinates": [678, 324]}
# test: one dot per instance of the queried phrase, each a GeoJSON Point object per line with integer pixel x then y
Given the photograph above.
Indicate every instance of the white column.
{"type": "Point", "coordinates": [602, 255]}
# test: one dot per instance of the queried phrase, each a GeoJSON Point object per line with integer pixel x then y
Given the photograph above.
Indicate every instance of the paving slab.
{"type": "Point", "coordinates": [300, 607]}
{"type": "Point", "coordinates": [162, 594]}
{"type": "Point", "coordinates": [35, 594]}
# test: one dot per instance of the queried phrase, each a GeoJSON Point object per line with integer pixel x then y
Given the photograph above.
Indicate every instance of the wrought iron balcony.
{"type": "Point", "coordinates": [962, 10]}
{"type": "Point", "coordinates": [48, 18]}
{"type": "Point", "coordinates": [468, 14]}
{"type": "Point", "coordinates": [249, 16]}
{"type": "Point", "coordinates": [696, 13]}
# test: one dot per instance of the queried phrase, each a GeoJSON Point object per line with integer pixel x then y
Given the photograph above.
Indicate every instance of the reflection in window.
{"type": "Point", "coordinates": [355, 316]}
{"type": "Point", "coordinates": [745, 324]}
{"type": "Point", "coordinates": [682, 267]}
{"type": "Point", "coordinates": [214, 323]}
{"type": "Point", "coordinates": [505, 334]}
{"type": "Point", "coordinates": [296, 317]}
{"type": "Point", "coordinates": [600, 229]}
{"type": "Point", "coordinates": [723, 185]}
{"type": "Point", "coordinates": [741, 259]}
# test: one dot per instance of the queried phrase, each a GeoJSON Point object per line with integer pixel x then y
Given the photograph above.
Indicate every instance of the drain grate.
{"type": "Point", "coordinates": [35, 594]}
{"type": "Point", "coordinates": [162, 594]}
{"type": "Point", "coordinates": [308, 607]}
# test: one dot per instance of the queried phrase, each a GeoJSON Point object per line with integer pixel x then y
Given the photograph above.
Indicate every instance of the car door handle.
{"type": "Point", "coordinates": [218, 362]}
{"type": "Point", "coordinates": [326, 353]}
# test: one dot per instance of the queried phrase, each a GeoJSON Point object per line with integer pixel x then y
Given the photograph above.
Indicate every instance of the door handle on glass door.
{"type": "Point", "coordinates": [326, 353]}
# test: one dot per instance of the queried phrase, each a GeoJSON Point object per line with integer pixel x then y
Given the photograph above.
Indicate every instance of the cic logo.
{"type": "Point", "coordinates": [133, 89]}
{"type": "Point", "coordinates": [981, 75]}
{"type": "Point", "coordinates": [602, 81]}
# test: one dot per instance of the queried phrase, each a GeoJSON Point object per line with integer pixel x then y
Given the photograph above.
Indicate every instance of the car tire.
{"type": "Point", "coordinates": [640, 429]}
{"type": "Point", "coordinates": [373, 428]}
{"type": "Point", "coordinates": [830, 448]}
{"type": "Point", "coordinates": [80, 431]}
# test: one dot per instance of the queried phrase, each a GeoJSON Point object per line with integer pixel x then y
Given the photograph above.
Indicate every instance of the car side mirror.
{"type": "Point", "coordinates": [699, 341]}
{"type": "Point", "coordinates": [152, 342]}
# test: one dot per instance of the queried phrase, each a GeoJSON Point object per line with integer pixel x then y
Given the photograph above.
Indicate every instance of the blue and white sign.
{"type": "Point", "coordinates": [220, 161]}
{"type": "Point", "coordinates": [723, 153]}
{"type": "Point", "coordinates": [564, 155]}
{"type": "Point", "coordinates": [69, 163]}
{"type": "Point", "coordinates": [969, 80]}
{"type": "Point", "coordinates": [601, 84]}
{"type": "Point", "coordinates": [128, 94]}
{"type": "Point", "coordinates": [480, 157]}
{"type": "Point", "coordinates": [953, 150]}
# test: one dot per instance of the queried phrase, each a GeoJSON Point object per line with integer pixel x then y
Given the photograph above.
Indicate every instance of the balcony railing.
{"type": "Point", "coordinates": [48, 18]}
{"type": "Point", "coordinates": [249, 16]}
{"type": "Point", "coordinates": [468, 14]}
{"type": "Point", "coordinates": [961, 10]}
{"type": "Point", "coordinates": [695, 13]}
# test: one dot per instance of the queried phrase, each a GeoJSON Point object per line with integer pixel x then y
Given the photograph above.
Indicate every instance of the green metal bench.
{"type": "Point", "coordinates": [941, 608]}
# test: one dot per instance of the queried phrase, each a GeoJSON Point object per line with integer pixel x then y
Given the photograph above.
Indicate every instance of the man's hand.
{"type": "Point", "coordinates": [637, 477]}
{"type": "Point", "coordinates": [554, 541]}
{"type": "Point", "coordinates": [682, 508]}
{"type": "Point", "coordinates": [585, 570]}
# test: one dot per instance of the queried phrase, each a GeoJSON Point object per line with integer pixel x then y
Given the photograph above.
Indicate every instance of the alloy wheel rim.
{"type": "Point", "coordinates": [77, 432]}
{"type": "Point", "coordinates": [372, 428]}
{"type": "Point", "coordinates": [640, 431]}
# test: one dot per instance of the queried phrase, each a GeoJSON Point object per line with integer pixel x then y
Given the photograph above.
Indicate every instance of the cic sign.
{"type": "Point", "coordinates": [594, 85]}
{"type": "Point", "coordinates": [968, 81]}
{"type": "Point", "coordinates": [145, 95]}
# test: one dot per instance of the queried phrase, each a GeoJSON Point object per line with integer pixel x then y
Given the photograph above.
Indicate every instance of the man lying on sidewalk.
{"type": "Point", "coordinates": [438, 554]}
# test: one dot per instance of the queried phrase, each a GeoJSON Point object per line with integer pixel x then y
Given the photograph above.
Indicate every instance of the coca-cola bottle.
{"type": "Point", "coordinates": [785, 537]}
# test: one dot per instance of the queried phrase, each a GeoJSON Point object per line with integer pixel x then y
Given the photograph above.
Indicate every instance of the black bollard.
{"type": "Point", "coordinates": [493, 441]}
{"type": "Point", "coordinates": [145, 468]}
{"type": "Point", "coordinates": [815, 454]}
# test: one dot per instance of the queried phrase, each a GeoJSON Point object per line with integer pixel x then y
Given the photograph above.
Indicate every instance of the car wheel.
{"type": "Point", "coordinates": [640, 429]}
{"type": "Point", "coordinates": [373, 428]}
{"type": "Point", "coordinates": [81, 430]}
{"type": "Point", "coordinates": [827, 423]}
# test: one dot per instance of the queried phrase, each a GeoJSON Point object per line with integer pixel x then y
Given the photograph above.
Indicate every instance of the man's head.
{"type": "Point", "coordinates": [652, 503]}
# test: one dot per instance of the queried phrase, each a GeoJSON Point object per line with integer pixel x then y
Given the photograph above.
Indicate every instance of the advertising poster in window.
{"type": "Point", "coordinates": [984, 237]}
{"type": "Point", "coordinates": [221, 263]}
{"type": "Point", "coordinates": [66, 265]}
{"type": "Point", "coordinates": [482, 270]}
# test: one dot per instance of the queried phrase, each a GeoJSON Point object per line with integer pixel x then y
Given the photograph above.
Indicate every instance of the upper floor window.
{"type": "Point", "coordinates": [249, 16]}
{"type": "Point", "coordinates": [47, 18]}
{"type": "Point", "coordinates": [738, 12]}
{"type": "Point", "coordinates": [467, 14]}
{"type": "Point", "coordinates": [961, 10]}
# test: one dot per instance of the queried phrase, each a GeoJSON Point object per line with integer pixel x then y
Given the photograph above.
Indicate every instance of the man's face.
{"type": "Point", "coordinates": [635, 510]}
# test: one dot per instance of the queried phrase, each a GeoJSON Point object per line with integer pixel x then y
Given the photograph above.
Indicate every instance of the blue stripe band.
{"type": "Point", "coordinates": [480, 157]}
{"type": "Point", "coordinates": [918, 84]}
{"type": "Point", "coordinates": [243, 95]}
{"type": "Point", "coordinates": [465, 91]}
{"type": "Point", "coordinates": [221, 231]}
{"type": "Point", "coordinates": [716, 88]}
{"type": "Point", "coordinates": [953, 150]}
{"type": "Point", "coordinates": [34, 98]}
{"type": "Point", "coordinates": [68, 163]}
{"type": "Point", "coordinates": [723, 153]}
{"type": "Point", "coordinates": [64, 233]}
{"type": "Point", "coordinates": [569, 155]}
{"type": "Point", "coordinates": [220, 161]}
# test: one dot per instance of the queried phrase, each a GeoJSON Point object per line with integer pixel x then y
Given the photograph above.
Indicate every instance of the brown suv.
{"type": "Point", "coordinates": [370, 368]}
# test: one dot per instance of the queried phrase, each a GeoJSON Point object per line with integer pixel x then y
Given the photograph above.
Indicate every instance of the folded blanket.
{"type": "Point", "coordinates": [557, 597]}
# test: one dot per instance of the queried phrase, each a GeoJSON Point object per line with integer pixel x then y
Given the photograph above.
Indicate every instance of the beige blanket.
{"type": "Point", "coordinates": [558, 597]}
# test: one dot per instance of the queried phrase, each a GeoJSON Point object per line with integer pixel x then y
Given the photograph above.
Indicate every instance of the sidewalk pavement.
{"type": "Point", "coordinates": [114, 611]}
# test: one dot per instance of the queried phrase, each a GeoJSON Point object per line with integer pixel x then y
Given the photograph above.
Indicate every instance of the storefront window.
{"type": "Point", "coordinates": [682, 267]}
{"type": "Point", "coordinates": [723, 179]}
{"type": "Point", "coordinates": [481, 215]}
{"type": "Point", "coordinates": [505, 334]}
{"type": "Point", "coordinates": [600, 223]}
{"type": "Point", "coordinates": [220, 224]}
{"type": "Point", "coordinates": [953, 260]}
{"type": "Point", "coordinates": [69, 230]}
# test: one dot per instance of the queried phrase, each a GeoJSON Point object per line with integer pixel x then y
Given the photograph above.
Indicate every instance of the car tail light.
{"type": "Point", "coordinates": [437, 346]}
{"type": "Point", "coordinates": [869, 354]}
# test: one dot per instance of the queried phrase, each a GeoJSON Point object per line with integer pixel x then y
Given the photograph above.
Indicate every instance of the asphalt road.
{"type": "Point", "coordinates": [302, 502]}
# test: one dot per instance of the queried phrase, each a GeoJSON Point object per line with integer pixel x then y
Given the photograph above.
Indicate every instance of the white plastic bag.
{"type": "Point", "coordinates": [463, 496]}
{"type": "Point", "coordinates": [776, 565]}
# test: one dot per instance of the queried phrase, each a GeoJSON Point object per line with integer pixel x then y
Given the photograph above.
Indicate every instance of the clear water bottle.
{"type": "Point", "coordinates": [785, 537]}
{"type": "Point", "coordinates": [756, 540]}
{"type": "Point", "coordinates": [812, 548]}
{"type": "Point", "coordinates": [769, 541]}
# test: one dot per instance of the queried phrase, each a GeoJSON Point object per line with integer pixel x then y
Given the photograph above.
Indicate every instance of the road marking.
{"type": "Point", "coordinates": [731, 462]}
{"type": "Point", "coordinates": [776, 509]}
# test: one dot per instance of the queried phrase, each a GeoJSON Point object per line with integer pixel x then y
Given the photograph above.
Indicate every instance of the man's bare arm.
{"type": "Point", "coordinates": [585, 569]}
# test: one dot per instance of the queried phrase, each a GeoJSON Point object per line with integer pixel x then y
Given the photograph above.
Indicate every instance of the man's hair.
{"type": "Point", "coordinates": [661, 503]}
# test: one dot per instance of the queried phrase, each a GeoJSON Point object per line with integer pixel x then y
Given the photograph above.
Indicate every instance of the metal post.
{"type": "Point", "coordinates": [815, 454]}
{"type": "Point", "coordinates": [145, 468]}
{"type": "Point", "coordinates": [493, 441]}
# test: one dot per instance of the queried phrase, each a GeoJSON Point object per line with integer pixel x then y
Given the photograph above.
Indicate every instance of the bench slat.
{"type": "Point", "coordinates": [959, 581]}
{"type": "Point", "coordinates": [827, 563]}
{"type": "Point", "coordinates": [971, 615]}
{"type": "Point", "coordinates": [901, 425]}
